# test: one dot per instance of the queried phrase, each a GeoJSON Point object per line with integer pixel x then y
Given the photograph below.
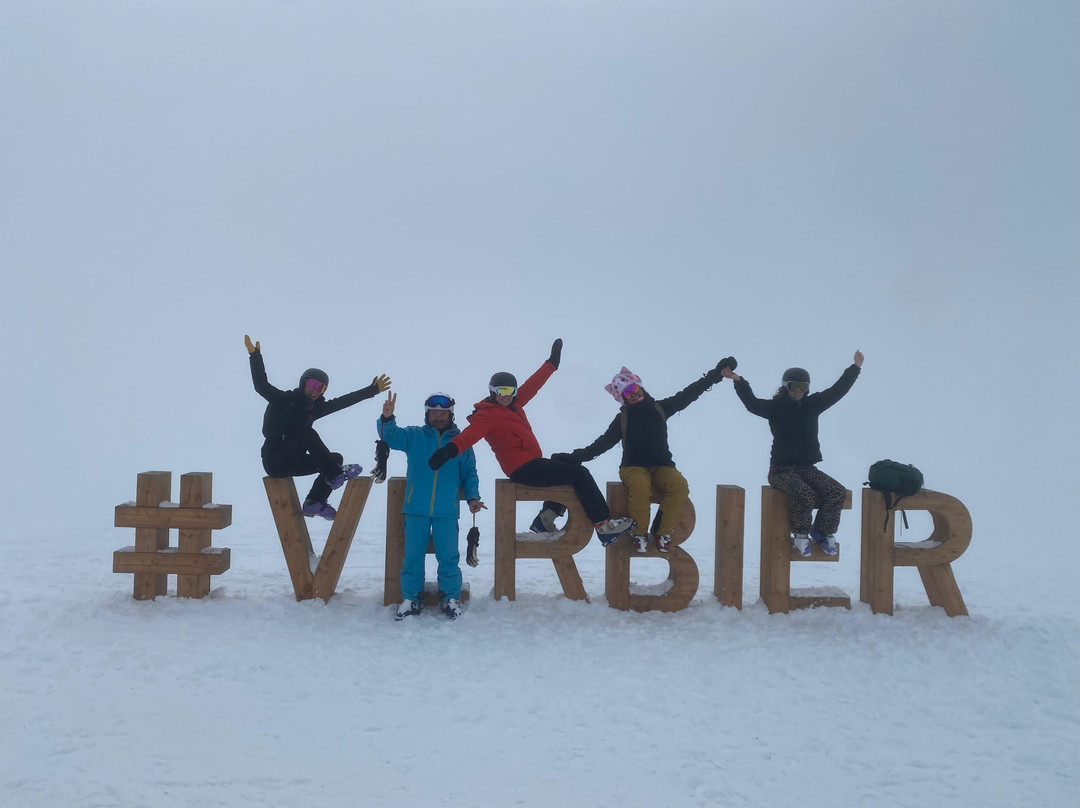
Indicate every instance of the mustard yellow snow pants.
{"type": "Point", "coordinates": [640, 482]}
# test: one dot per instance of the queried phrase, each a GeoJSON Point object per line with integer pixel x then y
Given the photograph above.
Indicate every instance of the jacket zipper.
{"type": "Point", "coordinates": [435, 479]}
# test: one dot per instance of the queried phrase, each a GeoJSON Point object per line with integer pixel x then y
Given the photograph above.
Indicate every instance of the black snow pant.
{"type": "Point", "coordinates": [809, 488]}
{"type": "Point", "coordinates": [543, 473]}
{"type": "Point", "coordinates": [300, 454]}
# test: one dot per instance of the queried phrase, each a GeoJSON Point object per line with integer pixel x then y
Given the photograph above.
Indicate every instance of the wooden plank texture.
{"type": "Point", "coordinates": [728, 563]}
{"type": "Point", "coordinates": [777, 552]}
{"type": "Point", "coordinates": [200, 518]}
{"type": "Point", "coordinates": [876, 572]}
{"type": "Point", "coordinates": [505, 540]}
{"type": "Point", "coordinates": [508, 549]}
{"type": "Point", "coordinates": [293, 533]}
{"type": "Point", "coordinates": [775, 582]}
{"type": "Point", "coordinates": [153, 488]}
{"type": "Point", "coordinates": [196, 490]}
{"type": "Point", "coordinates": [682, 569]}
{"type": "Point", "coordinates": [213, 561]}
{"type": "Point", "coordinates": [341, 536]}
{"type": "Point", "coordinates": [395, 541]}
{"type": "Point", "coordinates": [813, 598]}
{"type": "Point", "coordinates": [933, 557]}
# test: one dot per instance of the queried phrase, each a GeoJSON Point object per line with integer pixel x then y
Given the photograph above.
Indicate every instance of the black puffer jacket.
{"type": "Point", "coordinates": [794, 424]}
{"type": "Point", "coordinates": [289, 411]}
{"type": "Point", "coordinates": [646, 429]}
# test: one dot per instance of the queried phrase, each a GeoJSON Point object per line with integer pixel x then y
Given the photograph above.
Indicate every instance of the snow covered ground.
{"type": "Point", "coordinates": [437, 190]}
{"type": "Point", "coordinates": [249, 697]}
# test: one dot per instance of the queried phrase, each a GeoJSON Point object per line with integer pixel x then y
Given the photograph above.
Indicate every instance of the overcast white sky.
{"type": "Point", "coordinates": [438, 190]}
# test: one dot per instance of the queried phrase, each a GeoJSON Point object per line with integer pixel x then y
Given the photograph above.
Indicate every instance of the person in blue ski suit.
{"type": "Point", "coordinates": [431, 505]}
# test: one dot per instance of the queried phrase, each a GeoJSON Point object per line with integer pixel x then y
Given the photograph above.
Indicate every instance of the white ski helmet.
{"type": "Point", "coordinates": [439, 401]}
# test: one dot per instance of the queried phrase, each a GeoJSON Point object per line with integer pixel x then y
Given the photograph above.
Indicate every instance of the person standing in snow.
{"type": "Point", "coordinates": [292, 447]}
{"type": "Point", "coordinates": [431, 501]}
{"type": "Point", "coordinates": [500, 419]}
{"type": "Point", "coordinates": [646, 461]}
{"type": "Point", "coordinates": [793, 419]}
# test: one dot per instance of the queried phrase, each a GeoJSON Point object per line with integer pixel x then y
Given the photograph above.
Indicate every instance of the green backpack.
{"type": "Point", "coordinates": [895, 481]}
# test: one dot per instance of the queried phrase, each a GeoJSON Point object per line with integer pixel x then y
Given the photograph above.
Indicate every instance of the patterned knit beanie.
{"type": "Point", "coordinates": [623, 379]}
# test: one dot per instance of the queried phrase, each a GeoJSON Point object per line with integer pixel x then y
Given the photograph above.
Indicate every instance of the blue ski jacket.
{"type": "Point", "coordinates": [427, 492]}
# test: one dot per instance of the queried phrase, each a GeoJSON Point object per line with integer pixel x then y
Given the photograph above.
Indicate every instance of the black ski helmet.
{"type": "Point", "coordinates": [502, 379]}
{"type": "Point", "coordinates": [796, 375]}
{"type": "Point", "coordinates": [314, 373]}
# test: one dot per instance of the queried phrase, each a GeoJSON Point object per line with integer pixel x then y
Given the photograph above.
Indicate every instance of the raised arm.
{"type": "Point", "coordinates": [826, 398]}
{"type": "Point", "coordinates": [387, 427]}
{"type": "Point", "coordinates": [692, 392]}
{"type": "Point", "coordinates": [380, 384]}
{"type": "Point", "coordinates": [746, 395]}
{"type": "Point", "coordinates": [258, 372]}
{"type": "Point", "coordinates": [532, 385]}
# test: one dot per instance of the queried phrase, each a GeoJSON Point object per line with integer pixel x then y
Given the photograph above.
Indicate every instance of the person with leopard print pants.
{"type": "Point", "coordinates": [793, 419]}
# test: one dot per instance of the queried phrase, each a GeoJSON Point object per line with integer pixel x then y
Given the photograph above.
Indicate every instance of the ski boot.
{"type": "Point", "coordinates": [827, 541]}
{"type": "Point", "coordinates": [313, 507]}
{"type": "Point", "coordinates": [350, 471]}
{"type": "Point", "coordinates": [801, 542]}
{"type": "Point", "coordinates": [451, 607]}
{"type": "Point", "coordinates": [610, 530]}
{"type": "Point", "coordinates": [408, 608]}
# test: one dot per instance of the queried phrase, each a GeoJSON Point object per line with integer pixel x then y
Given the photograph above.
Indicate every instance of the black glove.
{"type": "Point", "coordinates": [382, 453]}
{"type": "Point", "coordinates": [439, 458]}
{"type": "Point", "coordinates": [556, 353]}
{"type": "Point", "coordinates": [715, 374]}
{"type": "Point", "coordinates": [565, 457]}
{"type": "Point", "coordinates": [472, 542]}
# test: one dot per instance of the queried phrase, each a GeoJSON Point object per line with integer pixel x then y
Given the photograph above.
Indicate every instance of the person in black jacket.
{"type": "Point", "coordinates": [793, 419]}
{"type": "Point", "coordinates": [646, 462]}
{"type": "Point", "coordinates": [292, 447]}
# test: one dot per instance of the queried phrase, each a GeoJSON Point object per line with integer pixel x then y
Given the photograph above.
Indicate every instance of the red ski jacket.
{"type": "Point", "coordinates": [507, 429]}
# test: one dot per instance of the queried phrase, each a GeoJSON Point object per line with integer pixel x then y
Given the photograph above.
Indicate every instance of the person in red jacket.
{"type": "Point", "coordinates": [500, 419]}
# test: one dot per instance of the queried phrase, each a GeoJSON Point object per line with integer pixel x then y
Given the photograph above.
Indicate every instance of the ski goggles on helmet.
{"type": "Point", "coordinates": [630, 389]}
{"type": "Point", "coordinates": [793, 386]}
{"type": "Point", "coordinates": [439, 401]}
{"type": "Point", "coordinates": [503, 390]}
{"type": "Point", "coordinates": [315, 386]}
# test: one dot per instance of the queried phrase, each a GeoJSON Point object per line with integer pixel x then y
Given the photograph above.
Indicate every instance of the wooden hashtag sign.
{"type": "Point", "coordinates": [152, 515]}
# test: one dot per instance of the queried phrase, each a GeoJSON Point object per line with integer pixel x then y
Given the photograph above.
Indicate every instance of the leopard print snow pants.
{"type": "Point", "coordinates": [809, 489]}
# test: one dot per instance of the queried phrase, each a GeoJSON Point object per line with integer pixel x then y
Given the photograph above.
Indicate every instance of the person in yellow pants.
{"type": "Point", "coordinates": [640, 481]}
{"type": "Point", "coordinates": [647, 462]}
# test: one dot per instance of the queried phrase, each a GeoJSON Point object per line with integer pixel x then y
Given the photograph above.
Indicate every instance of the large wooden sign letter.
{"type": "Point", "coordinates": [508, 548]}
{"type": "Point", "coordinates": [296, 542]}
{"type": "Point", "coordinates": [152, 515]}
{"type": "Point", "coordinates": [777, 555]}
{"type": "Point", "coordinates": [682, 583]}
{"type": "Point", "coordinates": [933, 557]}
{"type": "Point", "coordinates": [730, 518]}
